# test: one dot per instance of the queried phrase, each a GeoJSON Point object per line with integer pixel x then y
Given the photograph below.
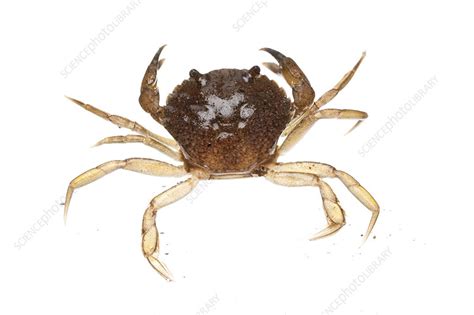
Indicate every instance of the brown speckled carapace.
{"type": "Point", "coordinates": [229, 123]}
{"type": "Point", "coordinates": [227, 120]}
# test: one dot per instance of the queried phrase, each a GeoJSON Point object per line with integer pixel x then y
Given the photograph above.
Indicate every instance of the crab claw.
{"type": "Point", "coordinates": [276, 54]}
{"type": "Point", "coordinates": [149, 94]}
{"type": "Point", "coordinates": [303, 93]}
{"type": "Point", "coordinates": [276, 68]}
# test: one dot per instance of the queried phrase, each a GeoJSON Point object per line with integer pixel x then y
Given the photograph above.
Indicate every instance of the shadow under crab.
{"type": "Point", "coordinates": [227, 124]}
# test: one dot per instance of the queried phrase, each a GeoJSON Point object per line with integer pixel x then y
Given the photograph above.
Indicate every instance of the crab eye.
{"type": "Point", "coordinates": [254, 71]}
{"type": "Point", "coordinates": [195, 74]}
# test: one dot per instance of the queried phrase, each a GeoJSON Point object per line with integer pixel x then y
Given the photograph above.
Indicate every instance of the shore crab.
{"type": "Point", "coordinates": [228, 123]}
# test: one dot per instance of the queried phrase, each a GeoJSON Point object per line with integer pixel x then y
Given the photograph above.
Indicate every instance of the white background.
{"type": "Point", "coordinates": [239, 246]}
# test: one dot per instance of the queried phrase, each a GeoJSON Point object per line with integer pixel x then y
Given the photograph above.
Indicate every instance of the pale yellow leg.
{"type": "Point", "coordinates": [141, 139]}
{"type": "Point", "coordinates": [150, 235]}
{"type": "Point", "coordinates": [325, 170]}
{"type": "Point", "coordinates": [334, 212]}
{"type": "Point", "coordinates": [308, 121]}
{"type": "Point", "coordinates": [329, 95]}
{"type": "Point", "coordinates": [140, 165]}
{"type": "Point", "coordinates": [123, 122]}
{"type": "Point", "coordinates": [323, 100]}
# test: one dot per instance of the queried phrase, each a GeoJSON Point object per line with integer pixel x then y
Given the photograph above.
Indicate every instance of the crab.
{"type": "Point", "coordinates": [230, 123]}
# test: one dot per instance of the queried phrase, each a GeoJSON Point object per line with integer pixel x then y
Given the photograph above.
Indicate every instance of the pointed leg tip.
{"type": "Point", "coordinates": [330, 230]}
{"type": "Point", "coordinates": [78, 102]}
{"type": "Point", "coordinates": [99, 143]}
{"type": "Point", "coordinates": [373, 220]}
{"type": "Point", "coordinates": [161, 268]}
{"type": "Point", "coordinates": [66, 211]}
{"type": "Point", "coordinates": [364, 241]}
{"type": "Point", "coordinates": [357, 124]}
{"type": "Point", "coordinates": [317, 236]}
{"type": "Point", "coordinates": [360, 60]}
{"type": "Point", "coordinates": [166, 275]}
{"type": "Point", "coordinates": [70, 98]}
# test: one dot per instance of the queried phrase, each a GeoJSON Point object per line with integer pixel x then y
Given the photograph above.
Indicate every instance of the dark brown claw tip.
{"type": "Point", "coordinates": [156, 59]}
{"type": "Point", "coordinates": [276, 54]}
{"type": "Point", "coordinates": [159, 51]}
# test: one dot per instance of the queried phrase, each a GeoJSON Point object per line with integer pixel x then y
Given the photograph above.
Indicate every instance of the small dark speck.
{"type": "Point", "coordinates": [362, 235]}
{"type": "Point", "coordinates": [374, 237]}
{"type": "Point", "coordinates": [167, 253]}
{"type": "Point", "coordinates": [162, 232]}
{"type": "Point", "coordinates": [166, 244]}
{"type": "Point", "coordinates": [61, 204]}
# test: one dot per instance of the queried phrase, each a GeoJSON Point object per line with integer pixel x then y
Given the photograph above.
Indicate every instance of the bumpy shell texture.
{"type": "Point", "coordinates": [227, 120]}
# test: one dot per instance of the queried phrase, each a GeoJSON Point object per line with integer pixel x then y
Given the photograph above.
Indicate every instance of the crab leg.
{"type": "Point", "coordinates": [140, 165]}
{"type": "Point", "coordinates": [329, 95]}
{"type": "Point", "coordinates": [323, 100]}
{"type": "Point", "coordinates": [123, 122]}
{"type": "Point", "coordinates": [150, 235]}
{"type": "Point", "coordinates": [308, 121]}
{"type": "Point", "coordinates": [303, 93]}
{"type": "Point", "coordinates": [324, 170]}
{"type": "Point", "coordinates": [334, 212]}
{"type": "Point", "coordinates": [141, 139]}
